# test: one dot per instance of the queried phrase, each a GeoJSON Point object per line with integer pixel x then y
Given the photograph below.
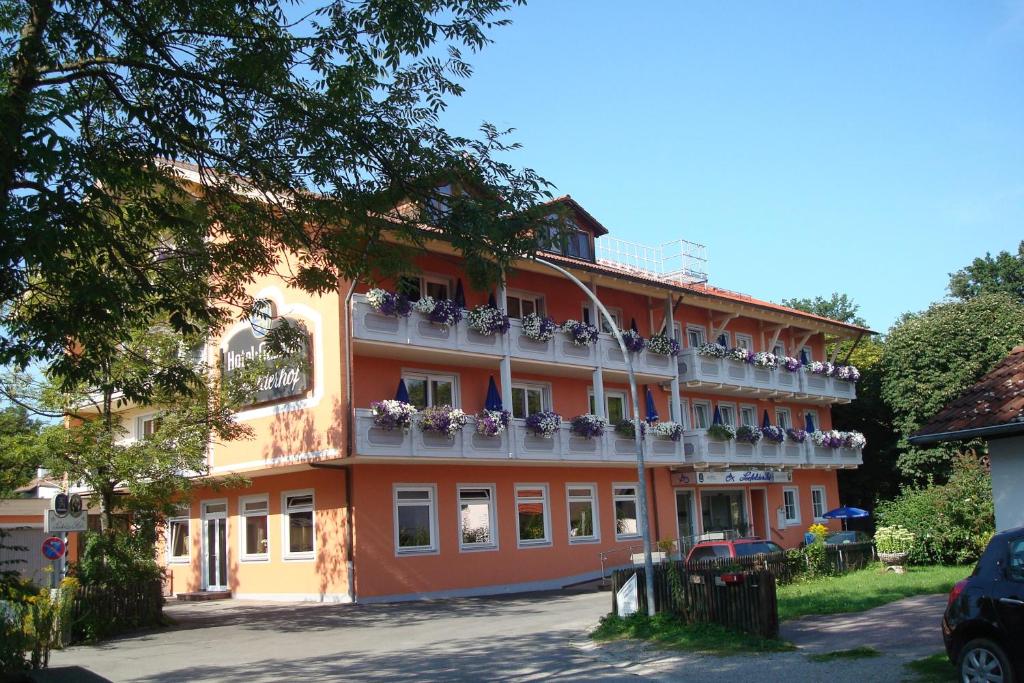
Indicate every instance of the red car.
{"type": "Point", "coordinates": [740, 547]}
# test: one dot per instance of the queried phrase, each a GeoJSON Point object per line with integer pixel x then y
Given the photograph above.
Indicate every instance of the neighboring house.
{"type": "Point", "coordinates": [21, 519]}
{"type": "Point", "coordinates": [992, 409]}
{"type": "Point", "coordinates": [341, 510]}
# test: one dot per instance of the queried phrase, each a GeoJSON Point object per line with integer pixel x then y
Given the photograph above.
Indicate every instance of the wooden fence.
{"type": "Point", "coordinates": [743, 601]}
{"type": "Point", "coordinates": [848, 557]}
{"type": "Point", "coordinates": [101, 612]}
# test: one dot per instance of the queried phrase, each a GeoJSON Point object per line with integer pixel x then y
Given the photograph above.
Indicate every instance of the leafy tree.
{"type": "Point", "coordinates": [1004, 273]}
{"type": "Point", "coordinates": [19, 448]}
{"type": "Point", "coordinates": [300, 130]}
{"type": "Point", "coordinates": [932, 357]}
{"type": "Point", "coordinates": [837, 307]}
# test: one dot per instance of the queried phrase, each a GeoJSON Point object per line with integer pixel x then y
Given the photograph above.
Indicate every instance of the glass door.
{"type": "Point", "coordinates": [685, 517]}
{"type": "Point", "coordinates": [215, 546]}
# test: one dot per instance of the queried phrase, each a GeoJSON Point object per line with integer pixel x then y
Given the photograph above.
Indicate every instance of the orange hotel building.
{"type": "Point", "coordinates": [342, 510]}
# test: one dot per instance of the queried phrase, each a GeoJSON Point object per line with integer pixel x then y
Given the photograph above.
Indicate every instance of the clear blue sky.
{"type": "Point", "coordinates": [862, 147]}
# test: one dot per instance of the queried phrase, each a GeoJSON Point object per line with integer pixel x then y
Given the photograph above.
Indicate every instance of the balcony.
{"type": "Point", "coordinates": [516, 443]}
{"type": "Point", "coordinates": [461, 344]}
{"type": "Point", "coordinates": [699, 448]}
{"type": "Point", "coordinates": [717, 375]}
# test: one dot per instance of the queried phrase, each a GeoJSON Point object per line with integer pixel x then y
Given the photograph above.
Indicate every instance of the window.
{"type": "Point", "coordinates": [532, 519]}
{"type": "Point", "coordinates": [521, 304]}
{"type": "Point", "coordinates": [685, 406]}
{"type": "Point", "coordinates": [584, 525]}
{"type": "Point", "coordinates": [1015, 566]}
{"type": "Point", "coordinates": [415, 287]}
{"type": "Point", "coordinates": [415, 519]}
{"type": "Point", "coordinates": [709, 552]}
{"type": "Point", "coordinates": [528, 399]}
{"type": "Point", "coordinates": [615, 313]}
{"type": "Point", "coordinates": [791, 506]}
{"type": "Point", "coordinates": [573, 242]}
{"type": "Point", "coordinates": [255, 541]}
{"type": "Point", "coordinates": [745, 341]}
{"type": "Point", "coordinates": [779, 350]}
{"type": "Point", "coordinates": [724, 339]}
{"type": "Point", "coordinates": [437, 207]}
{"type": "Point", "coordinates": [818, 505]}
{"type": "Point", "coordinates": [695, 336]}
{"type": "Point", "coordinates": [178, 546]}
{"type": "Point", "coordinates": [728, 413]}
{"type": "Point", "coordinates": [782, 418]}
{"type": "Point", "coordinates": [624, 499]}
{"type": "Point", "coordinates": [477, 530]}
{"type": "Point", "coordinates": [430, 390]}
{"type": "Point", "coordinates": [748, 416]}
{"type": "Point", "coordinates": [807, 352]}
{"type": "Point", "coordinates": [701, 414]}
{"type": "Point", "coordinates": [147, 425]}
{"type": "Point", "coordinates": [811, 419]}
{"type": "Point", "coordinates": [723, 511]}
{"type": "Point", "coordinates": [615, 406]}
{"type": "Point", "coordinates": [299, 541]}
{"type": "Point", "coordinates": [748, 549]}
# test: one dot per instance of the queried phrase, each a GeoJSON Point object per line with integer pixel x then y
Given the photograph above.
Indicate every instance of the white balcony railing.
{"type": "Point", "coordinates": [417, 331]}
{"type": "Point", "coordinates": [734, 375]}
{"type": "Point", "coordinates": [698, 447]}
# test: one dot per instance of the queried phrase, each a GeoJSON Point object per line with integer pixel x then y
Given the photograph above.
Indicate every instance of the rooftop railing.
{"type": "Point", "coordinates": [678, 261]}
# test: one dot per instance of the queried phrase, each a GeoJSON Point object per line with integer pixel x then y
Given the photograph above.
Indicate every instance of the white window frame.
{"type": "Point", "coordinates": [749, 339]}
{"type": "Point", "coordinates": [684, 419]}
{"type": "Point", "coordinates": [435, 546]}
{"type": "Point", "coordinates": [779, 349]}
{"type": "Point", "coordinates": [735, 413]}
{"type": "Point", "coordinates": [636, 506]}
{"type": "Point", "coordinates": [728, 338]}
{"type": "Point", "coordinates": [433, 278]}
{"type": "Point", "coordinates": [809, 352]}
{"type": "Point", "coordinates": [696, 328]}
{"type": "Point", "coordinates": [779, 411]}
{"type": "Point", "coordinates": [709, 413]}
{"type": "Point", "coordinates": [428, 376]}
{"type": "Point", "coordinates": [543, 387]}
{"type": "Point", "coordinates": [243, 531]}
{"type": "Point", "coordinates": [595, 510]}
{"type": "Point", "coordinates": [140, 424]}
{"type": "Point", "coordinates": [286, 532]}
{"type": "Point", "coordinates": [750, 407]}
{"type": "Point", "coordinates": [824, 503]}
{"type": "Point", "coordinates": [539, 301]}
{"type": "Point", "coordinates": [183, 514]}
{"type": "Point", "coordinates": [795, 520]}
{"type": "Point", "coordinates": [545, 502]}
{"type": "Point", "coordinates": [609, 393]}
{"type": "Point", "coordinates": [615, 312]}
{"type": "Point", "coordinates": [492, 518]}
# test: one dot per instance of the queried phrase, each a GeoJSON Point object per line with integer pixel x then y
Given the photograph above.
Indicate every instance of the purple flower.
{"type": "Point", "coordinates": [797, 435]}
{"type": "Point", "coordinates": [633, 341]}
{"type": "Point", "coordinates": [588, 426]}
{"type": "Point", "coordinates": [446, 312]}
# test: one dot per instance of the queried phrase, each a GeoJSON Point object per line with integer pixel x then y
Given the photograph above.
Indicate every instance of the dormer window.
{"type": "Point", "coordinates": [437, 205]}
{"type": "Point", "coordinates": [575, 243]}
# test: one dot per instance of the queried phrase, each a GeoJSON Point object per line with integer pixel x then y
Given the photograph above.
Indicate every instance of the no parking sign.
{"type": "Point", "coordinates": [53, 548]}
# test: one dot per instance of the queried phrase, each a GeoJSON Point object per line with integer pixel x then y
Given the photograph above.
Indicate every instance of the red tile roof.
{"type": "Point", "coordinates": [993, 406]}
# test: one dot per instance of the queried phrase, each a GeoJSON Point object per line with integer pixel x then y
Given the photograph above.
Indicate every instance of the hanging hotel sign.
{"type": "Point", "coordinates": [731, 477]}
{"type": "Point", "coordinates": [288, 376]}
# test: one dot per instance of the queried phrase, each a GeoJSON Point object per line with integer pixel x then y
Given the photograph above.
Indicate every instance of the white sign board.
{"type": "Point", "coordinates": [731, 477]}
{"type": "Point", "coordinates": [626, 599]}
{"type": "Point", "coordinates": [52, 523]}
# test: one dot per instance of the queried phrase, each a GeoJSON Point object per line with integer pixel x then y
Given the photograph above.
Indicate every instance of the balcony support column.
{"type": "Point", "coordinates": [599, 402]}
{"type": "Point", "coordinates": [670, 332]}
{"type": "Point", "coordinates": [505, 365]}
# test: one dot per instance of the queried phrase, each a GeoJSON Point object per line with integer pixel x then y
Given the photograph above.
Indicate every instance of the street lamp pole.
{"type": "Point", "coordinates": [637, 428]}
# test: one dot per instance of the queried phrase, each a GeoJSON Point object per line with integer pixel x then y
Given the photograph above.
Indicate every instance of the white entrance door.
{"type": "Point", "coordinates": [215, 546]}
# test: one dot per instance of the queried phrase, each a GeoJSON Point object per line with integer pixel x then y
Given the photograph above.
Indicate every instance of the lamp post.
{"type": "Point", "coordinates": [637, 428]}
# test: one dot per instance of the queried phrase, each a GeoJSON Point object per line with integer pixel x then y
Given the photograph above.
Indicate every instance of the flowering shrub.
{"type": "Point", "coordinates": [773, 434]}
{"type": "Point", "coordinates": [633, 341]}
{"type": "Point", "coordinates": [818, 368]}
{"type": "Point", "coordinates": [580, 334]}
{"type": "Point", "coordinates": [626, 428]}
{"type": "Point", "coordinates": [854, 440]}
{"type": "Point", "coordinates": [712, 350]}
{"type": "Point", "coordinates": [819, 532]}
{"type": "Point", "coordinates": [538, 328]}
{"type": "Point", "coordinates": [748, 434]}
{"type": "Point", "coordinates": [388, 303]}
{"type": "Point", "coordinates": [487, 320]}
{"type": "Point", "coordinates": [737, 353]}
{"type": "Point", "coordinates": [827, 439]}
{"type": "Point", "coordinates": [893, 540]}
{"type": "Point", "coordinates": [791, 364]}
{"type": "Point", "coordinates": [663, 344]}
{"type": "Point", "coordinates": [443, 312]}
{"type": "Point", "coordinates": [492, 422]}
{"type": "Point", "coordinates": [588, 426]}
{"type": "Point", "coordinates": [443, 420]}
{"type": "Point", "coordinates": [796, 435]}
{"type": "Point", "coordinates": [545, 423]}
{"type": "Point", "coordinates": [392, 414]}
{"type": "Point", "coordinates": [667, 430]}
{"type": "Point", "coordinates": [848, 372]}
{"type": "Point", "coordinates": [722, 432]}
{"type": "Point", "coordinates": [766, 360]}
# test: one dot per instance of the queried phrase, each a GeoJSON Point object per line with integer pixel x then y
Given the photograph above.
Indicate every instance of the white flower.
{"type": "Point", "coordinates": [375, 297]}
{"type": "Point", "coordinates": [713, 350]}
{"type": "Point", "coordinates": [667, 430]}
{"type": "Point", "coordinates": [425, 305]}
{"type": "Point", "coordinates": [538, 328]}
{"type": "Point", "coordinates": [766, 360]}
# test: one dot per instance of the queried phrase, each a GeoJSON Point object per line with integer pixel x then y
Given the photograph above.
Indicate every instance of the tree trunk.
{"type": "Point", "coordinates": [24, 76]}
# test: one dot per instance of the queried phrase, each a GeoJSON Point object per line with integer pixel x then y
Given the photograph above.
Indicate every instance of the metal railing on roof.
{"type": "Point", "coordinates": [679, 261]}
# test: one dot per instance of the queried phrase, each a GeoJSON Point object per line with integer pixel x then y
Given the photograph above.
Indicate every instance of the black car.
{"type": "Point", "coordinates": [983, 627]}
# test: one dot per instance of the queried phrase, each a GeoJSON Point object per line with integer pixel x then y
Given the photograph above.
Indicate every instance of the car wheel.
{"type": "Point", "coordinates": [983, 661]}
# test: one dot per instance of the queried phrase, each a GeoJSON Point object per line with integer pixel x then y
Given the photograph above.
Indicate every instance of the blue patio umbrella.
{"type": "Point", "coordinates": [460, 293]}
{"type": "Point", "coordinates": [717, 419]}
{"type": "Point", "coordinates": [652, 412]}
{"type": "Point", "coordinates": [846, 512]}
{"type": "Point", "coordinates": [493, 401]}
{"type": "Point", "coordinates": [491, 301]}
{"type": "Point", "coordinates": [402, 394]}
{"type": "Point", "coordinates": [765, 422]}
{"type": "Point", "coordinates": [808, 423]}
{"type": "Point", "coordinates": [803, 358]}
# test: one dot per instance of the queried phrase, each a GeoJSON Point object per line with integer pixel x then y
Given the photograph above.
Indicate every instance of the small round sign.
{"type": "Point", "coordinates": [53, 548]}
{"type": "Point", "coordinates": [75, 505]}
{"type": "Point", "coordinates": [60, 504]}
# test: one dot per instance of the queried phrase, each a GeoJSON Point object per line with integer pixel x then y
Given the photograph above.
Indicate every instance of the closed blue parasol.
{"type": "Point", "coordinates": [632, 325]}
{"type": "Point", "coordinates": [652, 412]}
{"type": "Point", "coordinates": [402, 394]}
{"type": "Point", "coordinates": [765, 422]}
{"type": "Point", "coordinates": [717, 419]}
{"type": "Point", "coordinates": [491, 301]}
{"type": "Point", "coordinates": [803, 358]}
{"type": "Point", "coordinates": [723, 340]}
{"type": "Point", "coordinates": [460, 294]}
{"type": "Point", "coordinates": [808, 423]}
{"type": "Point", "coordinates": [493, 401]}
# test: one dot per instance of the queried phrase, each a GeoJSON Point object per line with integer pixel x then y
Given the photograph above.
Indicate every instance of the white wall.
{"type": "Point", "coordinates": [1008, 481]}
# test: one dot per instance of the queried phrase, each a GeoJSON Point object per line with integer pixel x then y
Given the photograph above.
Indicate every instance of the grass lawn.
{"type": "Point", "coordinates": [669, 632]}
{"type": "Point", "coordinates": [934, 669]}
{"type": "Point", "coordinates": [867, 588]}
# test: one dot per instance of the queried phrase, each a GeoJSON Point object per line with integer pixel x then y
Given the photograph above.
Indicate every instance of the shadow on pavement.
{"type": "Point", "coordinates": [66, 674]}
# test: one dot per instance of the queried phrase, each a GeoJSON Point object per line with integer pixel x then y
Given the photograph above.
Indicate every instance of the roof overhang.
{"type": "Point", "coordinates": [990, 432]}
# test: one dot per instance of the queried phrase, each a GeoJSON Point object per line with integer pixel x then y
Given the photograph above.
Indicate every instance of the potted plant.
{"type": "Point", "coordinates": [673, 431]}
{"type": "Point", "coordinates": [538, 328]}
{"type": "Point", "coordinates": [722, 432]}
{"type": "Point", "coordinates": [791, 364]}
{"type": "Point", "coordinates": [443, 312]}
{"type": "Point", "coordinates": [492, 422]}
{"type": "Point", "coordinates": [712, 350]}
{"type": "Point", "coordinates": [580, 333]}
{"type": "Point", "coordinates": [796, 435]}
{"type": "Point", "coordinates": [627, 429]}
{"type": "Point", "coordinates": [390, 414]}
{"type": "Point", "coordinates": [443, 420]}
{"type": "Point", "coordinates": [763, 359]}
{"type": "Point", "coordinates": [588, 426]}
{"type": "Point", "coordinates": [894, 544]}
{"type": "Point", "coordinates": [544, 423]}
{"type": "Point", "coordinates": [487, 320]}
{"type": "Point", "coordinates": [741, 354]}
{"type": "Point", "coordinates": [748, 434]}
{"type": "Point", "coordinates": [633, 341]}
{"type": "Point", "coordinates": [389, 303]}
{"type": "Point", "coordinates": [773, 433]}
{"type": "Point", "coordinates": [666, 346]}
{"type": "Point", "coordinates": [848, 372]}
